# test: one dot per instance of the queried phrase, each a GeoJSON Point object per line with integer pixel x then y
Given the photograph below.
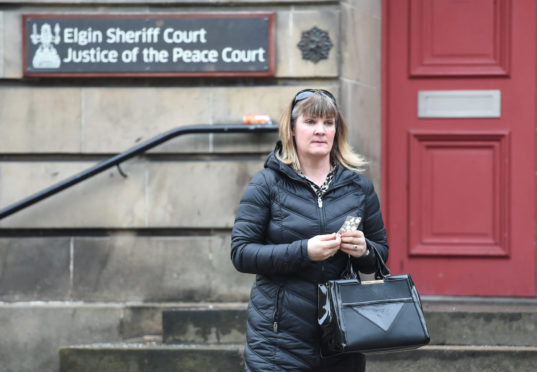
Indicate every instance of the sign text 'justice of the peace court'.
{"type": "Point", "coordinates": [182, 45]}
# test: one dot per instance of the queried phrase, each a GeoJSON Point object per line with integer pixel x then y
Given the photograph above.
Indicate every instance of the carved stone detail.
{"type": "Point", "coordinates": [315, 44]}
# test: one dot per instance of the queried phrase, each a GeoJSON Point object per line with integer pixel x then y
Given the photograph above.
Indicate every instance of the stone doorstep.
{"type": "Point", "coordinates": [479, 304]}
{"type": "Point", "coordinates": [464, 323]}
{"type": "Point", "coordinates": [154, 343]}
{"type": "Point", "coordinates": [457, 358]}
{"type": "Point", "coordinates": [219, 358]}
{"type": "Point", "coordinates": [430, 304]}
{"type": "Point", "coordinates": [125, 357]}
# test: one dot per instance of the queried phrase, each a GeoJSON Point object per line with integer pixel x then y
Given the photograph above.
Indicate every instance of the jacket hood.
{"type": "Point", "coordinates": [272, 162]}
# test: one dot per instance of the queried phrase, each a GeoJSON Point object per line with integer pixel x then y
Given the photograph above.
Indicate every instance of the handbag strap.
{"type": "Point", "coordinates": [382, 269]}
{"type": "Point", "coordinates": [381, 265]}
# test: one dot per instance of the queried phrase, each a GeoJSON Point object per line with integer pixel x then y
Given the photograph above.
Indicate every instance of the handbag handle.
{"type": "Point", "coordinates": [382, 269]}
{"type": "Point", "coordinates": [380, 263]}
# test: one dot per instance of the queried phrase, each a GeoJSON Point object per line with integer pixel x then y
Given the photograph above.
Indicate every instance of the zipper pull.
{"type": "Point", "coordinates": [275, 326]}
{"type": "Point", "coordinates": [320, 202]}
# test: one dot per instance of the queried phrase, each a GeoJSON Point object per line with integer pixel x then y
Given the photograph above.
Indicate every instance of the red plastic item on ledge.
{"type": "Point", "coordinates": [256, 119]}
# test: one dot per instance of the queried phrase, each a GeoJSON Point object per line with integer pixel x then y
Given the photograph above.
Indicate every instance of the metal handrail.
{"type": "Point", "coordinates": [116, 160]}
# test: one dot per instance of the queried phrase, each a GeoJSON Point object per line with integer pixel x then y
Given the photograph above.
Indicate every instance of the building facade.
{"type": "Point", "coordinates": [98, 261]}
{"type": "Point", "coordinates": [439, 97]}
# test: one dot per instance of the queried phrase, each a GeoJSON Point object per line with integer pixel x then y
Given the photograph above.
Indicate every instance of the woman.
{"type": "Point", "coordinates": [285, 232]}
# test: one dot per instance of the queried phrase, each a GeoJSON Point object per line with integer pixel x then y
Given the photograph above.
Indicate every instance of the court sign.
{"type": "Point", "coordinates": [68, 45]}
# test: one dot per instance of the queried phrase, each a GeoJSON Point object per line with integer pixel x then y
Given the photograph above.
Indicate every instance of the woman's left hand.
{"type": "Point", "coordinates": [353, 243]}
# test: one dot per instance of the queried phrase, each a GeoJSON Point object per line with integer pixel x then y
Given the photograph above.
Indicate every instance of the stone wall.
{"type": "Point", "coordinates": [98, 261]}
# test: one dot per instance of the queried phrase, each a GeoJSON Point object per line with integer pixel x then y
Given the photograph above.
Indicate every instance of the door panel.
{"type": "Point", "coordinates": [459, 184]}
{"type": "Point", "coordinates": [447, 173]}
{"type": "Point", "coordinates": [459, 37]}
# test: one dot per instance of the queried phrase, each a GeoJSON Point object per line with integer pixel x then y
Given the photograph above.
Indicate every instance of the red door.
{"type": "Point", "coordinates": [459, 135]}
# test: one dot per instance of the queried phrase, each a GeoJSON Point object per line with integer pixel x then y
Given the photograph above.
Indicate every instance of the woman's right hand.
{"type": "Point", "coordinates": [322, 247]}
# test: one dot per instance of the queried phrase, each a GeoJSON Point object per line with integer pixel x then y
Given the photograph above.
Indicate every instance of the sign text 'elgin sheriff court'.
{"type": "Point", "coordinates": [149, 45]}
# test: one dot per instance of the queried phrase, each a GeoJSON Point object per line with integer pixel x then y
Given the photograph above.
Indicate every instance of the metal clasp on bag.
{"type": "Point", "coordinates": [367, 282]}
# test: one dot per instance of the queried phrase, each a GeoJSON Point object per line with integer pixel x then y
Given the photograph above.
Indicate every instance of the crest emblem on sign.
{"type": "Point", "coordinates": [46, 55]}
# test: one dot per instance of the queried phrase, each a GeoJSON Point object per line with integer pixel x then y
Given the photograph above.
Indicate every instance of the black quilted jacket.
{"type": "Point", "coordinates": [277, 215]}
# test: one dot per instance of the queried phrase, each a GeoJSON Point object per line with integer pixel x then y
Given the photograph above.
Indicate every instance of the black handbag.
{"type": "Point", "coordinates": [380, 315]}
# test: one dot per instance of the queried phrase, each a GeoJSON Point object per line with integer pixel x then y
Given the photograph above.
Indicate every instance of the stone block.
{"type": "Point", "coordinates": [149, 116]}
{"type": "Point", "coordinates": [146, 319]}
{"type": "Point", "coordinates": [32, 333]}
{"type": "Point", "coordinates": [204, 326]}
{"type": "Point", "coordinates": [186, 194]}
{"type": "Point", "coordinates": [227, 283]}
{"type": "Point", "coordinates": [115, 119]}
{"type": "Point", "coordinates": [148, 112]}
{"type": "Point", "coordinates": [138, 269]}
{"type": "Point", "coordinates": [140, 320]}
{"type": "Point", "coordinates": [285, 50]}
{"type": "Point", "coordinates": [197, 194]}
{"type": "Point", "coordinates": [361, 46]}
{"type": "Point", "coordinates": [39, 119]}
{"type": "Point", "coordinates": [2, 37]}
{"type": "Point", "coordinates": [290, 25]}
{"type": "Point", "coordinates": [157, 269]}
{"type": "Point", "coordinates": [371, 7]}
{"type": "Point", "coordinates": [231, 104]}
{"type": "Point", "coordinates": [245, 143]}
{"type": "Point", "coordinates": [34, 269]}
{"type": "Point", "coordinates": [106, 200]}
{"type": "Point", "coordinates": [12, 56]}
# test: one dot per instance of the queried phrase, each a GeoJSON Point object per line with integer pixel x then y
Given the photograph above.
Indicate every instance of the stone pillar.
{"type": "Point", "coordinates": [361, 79]}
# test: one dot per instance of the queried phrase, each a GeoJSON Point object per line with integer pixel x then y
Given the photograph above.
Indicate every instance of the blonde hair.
{"type": "Point", "coordinates": [318, 105]}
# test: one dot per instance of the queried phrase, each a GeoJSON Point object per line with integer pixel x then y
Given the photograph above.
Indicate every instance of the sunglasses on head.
{"type": "Point", "coordinates": [306, 93]}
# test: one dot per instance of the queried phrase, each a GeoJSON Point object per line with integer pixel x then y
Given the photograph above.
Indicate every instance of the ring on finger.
{"type": "Point", "coordinates": [355, 247]}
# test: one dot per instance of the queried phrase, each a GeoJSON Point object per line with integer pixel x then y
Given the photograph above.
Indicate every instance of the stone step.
{"type": "Point", "coordinates": [457, 358]}
{"type": "Point", "coordinates": [450, 322]}
{"type": "Point", "coordinates": [155, 357]}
